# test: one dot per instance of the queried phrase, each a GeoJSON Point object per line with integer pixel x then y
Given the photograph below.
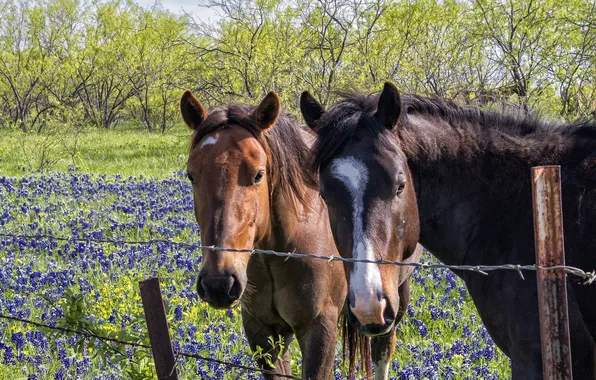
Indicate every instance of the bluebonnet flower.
{"type": "Point", "coordinates": [19, 340]}
{"type": "Point", "coordinates": [36, 275]}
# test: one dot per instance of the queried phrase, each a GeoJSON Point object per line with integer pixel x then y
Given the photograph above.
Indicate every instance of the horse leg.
{"type": "Point", "coordinates": [508, 307]}
{"type": "Point", "coordinates": [271, 358]}
{"type": "Point", "coordinates": [583, 357]}
{"type": "Point", "coordinates": [583, 345]}
{"type": "Point", "coordinates": [383, 347]}
{"type": "Point", "coordinates": [317, 341]}
{"type": "Point", "coordinates": [583, 349]}
{"type": "Point", "coordinates": [584, 294]}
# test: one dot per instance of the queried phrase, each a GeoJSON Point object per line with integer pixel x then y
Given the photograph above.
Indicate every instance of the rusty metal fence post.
{"type": "Point", "coordinates": [159, 333]}
{"type": "Point", "coordinates": [552, 285]}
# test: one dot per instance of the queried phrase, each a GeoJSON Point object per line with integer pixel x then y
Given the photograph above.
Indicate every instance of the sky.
{"type": "Point", "coordinates": [178, 6]}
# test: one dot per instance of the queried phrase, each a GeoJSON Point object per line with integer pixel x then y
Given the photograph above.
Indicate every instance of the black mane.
{"type": "Point", "coordinates": [471, 131]}
{"type": "Point", "coordinates": [339, 125]}
{"type": "Point", "coordinates": [287, 153]}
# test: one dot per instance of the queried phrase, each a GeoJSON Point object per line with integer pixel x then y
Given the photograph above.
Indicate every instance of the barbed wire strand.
{"type": "Point", "coordinates": [587, 277]}
{"type": "Point", "coordinates": [145, 346]}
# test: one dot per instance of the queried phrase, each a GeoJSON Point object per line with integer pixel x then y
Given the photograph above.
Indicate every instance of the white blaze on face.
{"type": "Point", "coordinates": [211, 140]}
{"type": "Point", "coordinates": [365, 279]}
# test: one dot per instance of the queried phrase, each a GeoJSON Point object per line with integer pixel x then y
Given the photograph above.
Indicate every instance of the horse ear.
{"type": "Point", "coordinates": [311, 109]}
{"type": "Point", "coordinates": [193, 112]}
{"type": "Point", "coordinates": [267, 111]}
{"type": "Point", "coordinates": [389, 106]}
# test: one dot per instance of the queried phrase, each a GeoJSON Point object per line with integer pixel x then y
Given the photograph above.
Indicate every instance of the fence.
{"type": "Point", "coordinates": [587, 277]}
{"type": "Point", "coordinates": [551, 285]}
{"type": "Point", "coordinates": [87, 334]}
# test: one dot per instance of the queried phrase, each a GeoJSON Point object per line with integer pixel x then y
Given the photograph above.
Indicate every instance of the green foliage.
{"type": "Point", "coordinates": [77, 63]}
{"type": "Point", "coordinates": [89, 63]}
{"type": "Point", "coordinates": [75, 306]}
{"type": "Point", "coordinates": [536, 55]}
{"type": "Point", "coordinates": [274, 344]}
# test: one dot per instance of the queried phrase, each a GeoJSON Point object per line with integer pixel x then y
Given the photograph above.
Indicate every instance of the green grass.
{"type": "Point", "coordinates": [116, 151]}
{"type": "Point", "coordinates": [52, 203]}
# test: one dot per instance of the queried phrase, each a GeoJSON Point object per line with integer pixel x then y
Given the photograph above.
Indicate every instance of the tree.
{"type": "Point", "coordinates": [157, 57]}
{"type": "Point", "coordinates": [103, 82]}
{"type": "Point", "coordinates": [523, 36]}
{"type": "Point", "coordinates": [28, 63]}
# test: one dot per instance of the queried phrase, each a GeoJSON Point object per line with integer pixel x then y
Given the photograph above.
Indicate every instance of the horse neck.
{"type": "Point", "coordinates": [289, 227]}
{"type": "Point", "coordinates": [470, 191]}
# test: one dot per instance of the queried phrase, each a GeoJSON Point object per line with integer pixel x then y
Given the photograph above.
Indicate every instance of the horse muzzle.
{"type": "Point", "coordinates": [221, 291]}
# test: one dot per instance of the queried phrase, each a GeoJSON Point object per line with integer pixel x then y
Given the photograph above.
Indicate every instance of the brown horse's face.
{"type": "Point", "coordinates": [228, 170]}
{"type": "Point", "coordinates": [372, 208]}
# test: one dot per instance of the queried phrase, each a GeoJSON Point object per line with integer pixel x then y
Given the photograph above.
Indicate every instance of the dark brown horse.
{"type": "Point", "coordinates": [471, 173]}
{"type": "Point", "coordinates": [248, 169]}
{"type": "Point", "coordinates": [370, 196]}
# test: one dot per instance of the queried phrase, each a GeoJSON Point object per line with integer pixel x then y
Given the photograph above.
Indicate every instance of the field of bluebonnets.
{"type": "Point", "coordinates": [94, 287]}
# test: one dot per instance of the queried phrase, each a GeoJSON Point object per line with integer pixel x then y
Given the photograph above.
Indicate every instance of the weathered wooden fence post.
{"type": "Point", "coordinates": [159, 333]}
{"type": "Point", "coordinates": [552, 286]}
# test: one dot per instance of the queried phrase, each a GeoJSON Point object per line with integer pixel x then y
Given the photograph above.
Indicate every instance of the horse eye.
{"type": "Point", "coordinates": [190, 178]}
{"type": "Point", "coordinates": [259, 177]}
{"type": "Point", "coordinates": [400, 188]}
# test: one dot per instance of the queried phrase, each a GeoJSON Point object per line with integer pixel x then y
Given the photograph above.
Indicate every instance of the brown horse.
{"type": "Point", "coordinates": [248, 169]}
{"type": "Point", "coordinates": [372, 209]}
{"type": "Point", "coordinates": [471, 173]}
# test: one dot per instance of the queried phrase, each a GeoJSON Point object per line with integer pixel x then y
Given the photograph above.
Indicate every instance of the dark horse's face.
{"type": "Point", "coordinates": [368, 189]}
{"type": "Point", "coordinates": [228, 168]}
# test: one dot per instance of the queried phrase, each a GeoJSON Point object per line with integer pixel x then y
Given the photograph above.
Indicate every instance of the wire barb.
{"type": "Point", "coordinates": [587, 277]}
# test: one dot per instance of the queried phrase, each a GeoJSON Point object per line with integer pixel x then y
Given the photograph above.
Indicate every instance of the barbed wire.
{"type": "Point", "coordinates": [145, 346]}
{"type": "Point", "coordinates": [587, 277]}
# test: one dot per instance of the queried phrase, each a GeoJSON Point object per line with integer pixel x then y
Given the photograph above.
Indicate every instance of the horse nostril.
{"type": "Point", "coordinates": [389, 314]}
{"type": "Point", "coordinates": [235, 288]}
{"type": "Point", "coordinates": [201, 288]}
{"type": "Point", "coordinates": [389, 321]}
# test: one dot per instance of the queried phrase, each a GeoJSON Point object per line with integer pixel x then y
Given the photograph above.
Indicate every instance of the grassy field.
{"type": "Point", "coordinates": [129, 185]}
{"type": "Point", "coordinates": [120, 151]}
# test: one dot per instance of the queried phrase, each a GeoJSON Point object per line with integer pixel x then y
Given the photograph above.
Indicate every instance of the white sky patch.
{"type": "Point", "coordinates": [179, 7]}
{"type": "Point", "coordinates": [365, 279]}
{"type": "Point", "coordinates": [210, 140]}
